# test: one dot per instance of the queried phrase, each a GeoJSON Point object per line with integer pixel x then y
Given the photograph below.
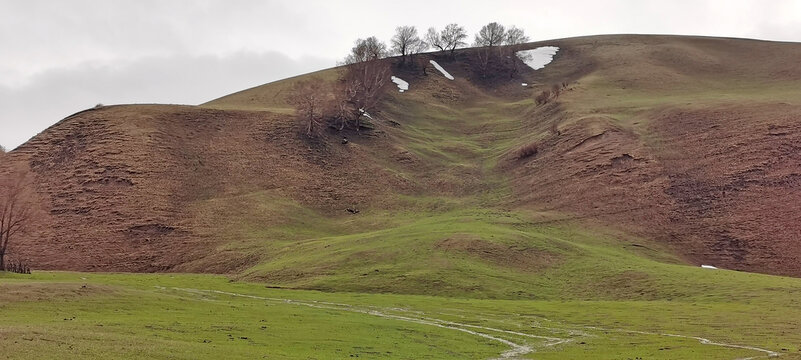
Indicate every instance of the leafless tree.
{"type": "Point", "coordinates": [361, 82]}
{"type": "Point", "coordinates": [310, 98]}
{"type": "Point", "coordinates": [516, 36]}
{"type": "Point", "coordinates": [496, 49]}
{"type": "Point", "coordinates": [359, 90]}
{"type": "Point", "coordinates": [484, 57]}
{"type": "Point", "coordinates": [16, 205]}
{"type": "Point", "coordinates": [420, 47]}
{"type": "Point", "coordinates": [421, 63]}
{"type": "Point", "coordinates": [453, 36]}
{"type": "Point", "coordinates": [367, 49]}
{"type": "Point", "coordinates": [492, 34]}
{"type": "Point", "coordinates": [543, 97]}
{"type": "Point", "coordinates": [406, 42]}
{"type": "Point", "coordinates": [434, 38]}
{"type": "Point", "coordinates": [556, 90]}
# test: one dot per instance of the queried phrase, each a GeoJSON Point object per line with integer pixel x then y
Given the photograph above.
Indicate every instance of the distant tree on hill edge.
{"type": "Point", "coordinates": [515, 36]}
{"type": "Point", "coordinates": [407, 42]}
{"type": "Point", "coordinates": [310, 98]}
{"type": "Point", "coordinates": [365, 50]}
{"type": "Point", "coordinates": [16, 206]}
{"type": "Point", "coordinates": [492, 34]}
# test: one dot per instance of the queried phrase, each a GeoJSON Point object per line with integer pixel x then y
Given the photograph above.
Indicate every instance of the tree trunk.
{"type": "Point", "coordinates": [2, 261]}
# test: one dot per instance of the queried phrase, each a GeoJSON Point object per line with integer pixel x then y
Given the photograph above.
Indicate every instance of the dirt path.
{"type": "Point", "coordinates": [516, 349]}
{"type": "Point", "coordinates": [705, 341]}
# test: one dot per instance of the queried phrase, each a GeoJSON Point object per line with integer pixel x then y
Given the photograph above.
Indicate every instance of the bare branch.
{"type": "Point", "coordinates": [492, 34]}
{"type": "Point", "coordinates": [516, 36]}
{"type": "Point", "coordinates": [453, 37]}
{"type": "Point", "coordinates": [406, 42]}
{"type": "Point", "coordinates": [433, 38]}
{"type": "Point", "coordinates": [310, 99]}
{"type": "Point", "coordinates": [366, 50]}
{"type": "Point", "coordinates": [16, 199]}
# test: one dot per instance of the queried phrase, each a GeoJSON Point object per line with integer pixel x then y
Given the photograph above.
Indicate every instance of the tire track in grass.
{"type": "Point", "coordinates": [704, 341]}
{"type": "Point", "coordinates": [574, 332]}
{"type": "Point", "coordinates": [515, 349]}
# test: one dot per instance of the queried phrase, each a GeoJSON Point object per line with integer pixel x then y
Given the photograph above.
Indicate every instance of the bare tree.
{"type": "Point", "coordinates": [484, 57]}
{"type": "Point", "coordinates": [420, 47]}
{"type": "Point", "coordinates": [367, 49]}
{"type": "Point", "coordinates": [434, 38]}
{"type": "Point", "coordinates": [15, 206]}
{"type": "Point", "coordinates": [492, 34]}
{"type": "Point", "coordinates": [359, 90]}
{"type": "Point", "coordinates": [361, 82]}
{"type": "Point", "coordinates": [453, 36]}
{"type": "Point", "coordinates": [310, 97]}
{"type": "Point", "coordinates": [406, 42]}
{"type": "Point", "coordinates": [516, 36]}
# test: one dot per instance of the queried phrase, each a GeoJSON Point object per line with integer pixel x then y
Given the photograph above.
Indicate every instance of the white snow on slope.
{"type": "Point", "coordinates": [366, 114]}
{"type": "Point", "coordinates": [539, 57]}
{"type": "Point", "coordinates": [445, 73]}
{"type": "Point", "coordinates": [708, 267]}
{"type": "Point", "coordinates": [402, 85]}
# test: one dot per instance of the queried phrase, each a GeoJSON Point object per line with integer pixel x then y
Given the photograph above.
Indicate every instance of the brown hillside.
{"type": "Point", "coordinates": [690, 141]}
{"type": "Point", "coordinates": [121, 181]}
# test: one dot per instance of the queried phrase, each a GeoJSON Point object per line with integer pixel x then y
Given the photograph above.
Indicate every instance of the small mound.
{"type": "Point", "coordinates": [518, 257]}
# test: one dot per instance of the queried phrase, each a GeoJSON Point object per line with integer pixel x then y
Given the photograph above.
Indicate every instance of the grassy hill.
{"type": "Point", "coordinates": [663, 153]}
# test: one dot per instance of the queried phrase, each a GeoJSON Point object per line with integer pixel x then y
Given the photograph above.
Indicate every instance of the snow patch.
{"type": "Point", "coordinates": [709, 267]}
{"type": "Point", "coordinates": [444, 73]}
{"type": "Point", "coordinates": [402, 85]}
{"type": "Point", "coordinates": [365, 114]}
{"type": "Point", "coordinates": [539, 57]}
{"type": "Point", "coordinates": [524, 84]}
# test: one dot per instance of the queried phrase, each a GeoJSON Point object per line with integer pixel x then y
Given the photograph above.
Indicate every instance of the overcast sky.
{"type": "Point", "coordinates": [59, 57]}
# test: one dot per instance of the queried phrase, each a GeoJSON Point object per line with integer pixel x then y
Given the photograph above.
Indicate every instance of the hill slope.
{"type": "Point", "coordinates": [664, 150]}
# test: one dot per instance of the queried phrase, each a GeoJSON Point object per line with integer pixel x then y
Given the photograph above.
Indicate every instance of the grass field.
{"type": "Point", "coordinates": [492, 284]}
{"type": "Point", "coordinates": [78, 315]}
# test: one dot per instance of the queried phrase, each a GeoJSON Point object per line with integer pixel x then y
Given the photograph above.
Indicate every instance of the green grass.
{"type": "Point", "coordinates": [57, 315]}
{"type": "Point", "coordinates": [606, 298]}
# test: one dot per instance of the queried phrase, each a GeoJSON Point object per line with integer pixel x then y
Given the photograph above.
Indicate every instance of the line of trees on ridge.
{"type": "Point", "coordinates": [349, 101]}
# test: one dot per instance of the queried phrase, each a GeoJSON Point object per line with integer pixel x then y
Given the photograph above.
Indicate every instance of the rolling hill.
{"type": "Point", "coordinates": [688, 142]}
{"type": "Point", "coordinates": [487, 223]}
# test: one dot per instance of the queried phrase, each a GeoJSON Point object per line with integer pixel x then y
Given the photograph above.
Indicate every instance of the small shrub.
{"type": "Point", "coordinates": [526, 151]}
{"type": "Point", "coordinates": [543, 97]}
{"type": "Point", "coordinates": [556, 90]}
{"type": "Point", "coordinates": [555, 128]}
